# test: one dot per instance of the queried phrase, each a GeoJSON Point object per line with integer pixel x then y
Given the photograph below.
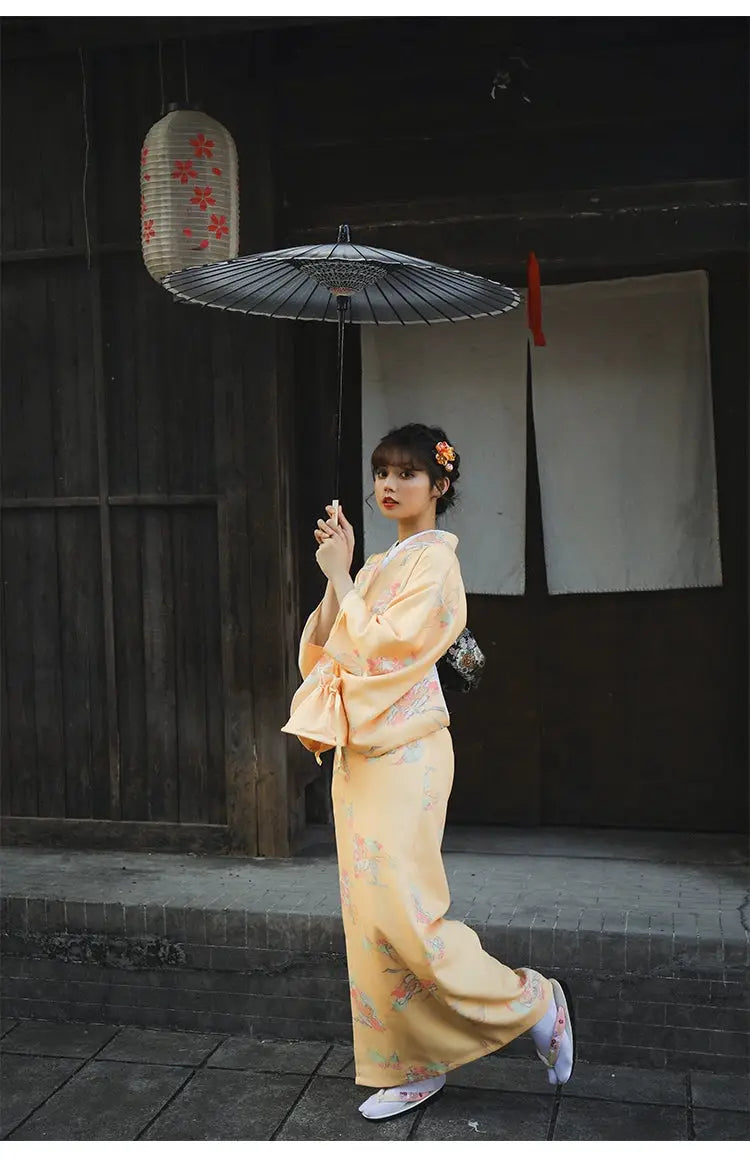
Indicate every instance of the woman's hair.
{"type": "Point", "coordinates": [414, 445]}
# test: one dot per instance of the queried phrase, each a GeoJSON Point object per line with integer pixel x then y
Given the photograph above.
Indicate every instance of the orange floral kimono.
{"type": "Point", "coordinates": [425, 996]}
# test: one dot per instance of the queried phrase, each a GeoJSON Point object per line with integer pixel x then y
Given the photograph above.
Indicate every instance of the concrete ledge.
{"type": "Point", "coordinates": [253, 946]}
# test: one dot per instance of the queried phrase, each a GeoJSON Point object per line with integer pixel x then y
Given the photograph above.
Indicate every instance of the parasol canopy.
{"type": "Point", "coordinates": [309, 282]}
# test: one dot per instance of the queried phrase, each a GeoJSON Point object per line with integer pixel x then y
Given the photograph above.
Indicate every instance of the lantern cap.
{"type": "Point", "coordinates": [184, 107]}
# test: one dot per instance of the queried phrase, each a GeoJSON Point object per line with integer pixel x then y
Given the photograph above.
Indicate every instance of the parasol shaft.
{"type": "Point", "coordinates": [342, 305]}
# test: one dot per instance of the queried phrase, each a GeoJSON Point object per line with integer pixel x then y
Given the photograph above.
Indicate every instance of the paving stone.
{"type": "Point", "coordinates": [728, 1092]}
{"type": "Point", "coordinates": [500, 1072]}
{"type": "Point", "coordinates": [629, 1084]}
{"type": "Point", "coordinates": [227, 1105]}
{"type": "Point", "coordinates": [104, 1101]}
{"type": "Point", "coordinates": [250, 1054]}
{"type": "Point", "coordinates": [461, 1114]}
{"type": "Point", "coordinates": [7, 1024]}
{"type": "Point", "coordinates": [26, 1081]}
{"type": "Point", "coordinates": [605, 1120]}
{"type": "Point", "coordinates": [328, 1111]}
{"type": "Point", "coordinates": [42, 1037]}
{"type": "Point", "coordinates": [338, 1062]}
{"type": "Point", "coordinates": [710, 1124]}
{"type": "Point", "coordinates": [138, 1045]}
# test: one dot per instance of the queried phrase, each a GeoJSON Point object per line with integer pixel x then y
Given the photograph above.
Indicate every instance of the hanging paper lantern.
{"type": "Point", "coordinates": [189, 193]}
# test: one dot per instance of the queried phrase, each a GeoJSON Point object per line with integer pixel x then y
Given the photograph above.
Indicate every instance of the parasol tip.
{"type": "Point", "coordinates": [343, 234]}
{"type": "Point", "coordinates": [335, 517]}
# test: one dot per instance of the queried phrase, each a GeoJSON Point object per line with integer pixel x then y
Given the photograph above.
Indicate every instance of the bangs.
{"type": "Point", "coordinates": [394, 455]}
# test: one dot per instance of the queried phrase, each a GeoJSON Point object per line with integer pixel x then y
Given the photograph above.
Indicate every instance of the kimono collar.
{"type": "Point", "coordinates": [431, 536]}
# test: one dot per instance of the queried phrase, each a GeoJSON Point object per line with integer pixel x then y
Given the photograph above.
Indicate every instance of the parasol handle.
{"type": "Point", "coordinates": [335, 506]}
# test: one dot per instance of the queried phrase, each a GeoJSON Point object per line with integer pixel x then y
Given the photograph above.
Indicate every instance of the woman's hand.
{"type": "Point", "coordinates": [339, 557]}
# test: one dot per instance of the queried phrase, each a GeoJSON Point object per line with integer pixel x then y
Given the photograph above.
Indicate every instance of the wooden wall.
{"type": "Point", "coordinates": [149, 586]}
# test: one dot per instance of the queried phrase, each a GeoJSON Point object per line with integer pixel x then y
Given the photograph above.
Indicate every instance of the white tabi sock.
{"type": "Point", "coordinates": [541, 1033]}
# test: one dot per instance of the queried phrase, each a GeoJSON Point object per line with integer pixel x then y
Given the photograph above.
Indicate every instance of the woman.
{"type": "Point", "coordinates": [426, 998]}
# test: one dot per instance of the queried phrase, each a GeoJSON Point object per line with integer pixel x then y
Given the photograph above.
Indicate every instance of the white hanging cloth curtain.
{"type": "Point", "coordinates": [624, 434]}
{"type": "Point", "coordinates": [625, 437]}
{"type": "Point", "coordinates": [469, 379]}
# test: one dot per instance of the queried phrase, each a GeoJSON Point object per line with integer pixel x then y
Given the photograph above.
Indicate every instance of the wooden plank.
{"type": "Point", "coordinates": [98, 834]}
{"type": "Point", "coordinates": [240, 751]}
{"type": "Point", "coordinates": [84, 687]}
{"type": "Point", "coordinates": [43, 596]}
{"type": "Point", "coordinates": [34, 36]}
{"type": "Point", "coordinates": [315, 222]}
{"type": "Point", "coordinates": [159, 662]}
{"type": "Point", "coordinates": [191, 620]}
{"type": "Point", "coordinates": [121, 125]}
{"type": "Point", "coordinates": [271, 569]}
{"type": "Point", "coordinates": [185, 372]}
{"type": "Point", "coordinates": [43, 158]}
{"type": "Point", "coordinates": [47, 253]}
{"type": "Point", "coordinates": [100, 407]}
{"type": "Point", "coordinates": [252, 356]}
{"type": "Point", "coordinates": [28, 455]}
{"type": "Point", "coordinates": [55, 501]}
{"type": "Point", "coordinates": [7, 773]}
{"type": "Point", "coordinates": [130, 661]}
{"type": "Point", "coordinates": [163, 500]}
{"type": "Point", "coordinates": [214, 804]}
{"type": "Point", "coordinates": [68, 345]}
{"type": "Point", "coordinates": [20, 774]}
{"type": "Point", "coordinates": [151, 428]}
{"type": "Point", "coordinates": [78, 501]}
{"type": "Point", "coordinates": [124, 341]}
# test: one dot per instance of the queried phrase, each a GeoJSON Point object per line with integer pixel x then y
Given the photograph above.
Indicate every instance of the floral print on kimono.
{"type": "Point", "coordinates": [368, 855]}
{"type": "Point", "coordinates": [363, 1010]}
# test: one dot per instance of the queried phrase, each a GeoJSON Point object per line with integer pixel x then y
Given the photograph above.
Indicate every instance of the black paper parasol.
{"type": "Point", "coordinates": [341, 281]}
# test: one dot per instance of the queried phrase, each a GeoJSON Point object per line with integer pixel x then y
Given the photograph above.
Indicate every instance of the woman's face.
{"type": "Point", "coordinates": [403, 491]}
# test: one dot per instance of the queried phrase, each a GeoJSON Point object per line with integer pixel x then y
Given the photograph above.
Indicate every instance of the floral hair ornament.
{"type": "Point", "coordinates": [444, 454]}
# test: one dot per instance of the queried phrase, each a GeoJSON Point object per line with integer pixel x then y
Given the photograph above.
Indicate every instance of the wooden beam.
{"type": "Point", "coordinates": [103, 834]}
{"type": "Point", "coordinates": [105, 528]}
{"type": "Point", "coordinates": [268, 440]}
{"type": "Point", "coordinates": [587, 228]}
{"type": "Point", "coordinates": [43, 36]}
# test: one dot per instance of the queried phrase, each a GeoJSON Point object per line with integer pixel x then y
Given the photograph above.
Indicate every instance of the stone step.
{"type": "Point", "coordinates": [656, 953]}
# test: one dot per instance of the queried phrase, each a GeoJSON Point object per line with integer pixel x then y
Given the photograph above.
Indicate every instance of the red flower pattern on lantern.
{"type": "Point", "coordinates": [218, 226]}
{"type": "Point", "coordinates": [203, 148]}
{"type": "Point", "coordinates": [148, 230]}
{"type": "Point", "coordinates": [216, 171]}
{"type": "Point", "coordinates": [204, 244]}
{"type": "Point", "coordinates": [144, 155]}
{"type": "Point", "coordinates": [188, 233]}
{"type": "Point", "coordinates": [203, 197]}
{"type": "Point", "coordinates": [144, 208]}
{"type": "Point", "coordinates": [183, 170]}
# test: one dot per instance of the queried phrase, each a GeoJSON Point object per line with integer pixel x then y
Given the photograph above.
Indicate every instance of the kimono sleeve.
{"type": "Point", "coordinates": [417, 626]}
{"type": "Point", "coordinates": [309, 653]}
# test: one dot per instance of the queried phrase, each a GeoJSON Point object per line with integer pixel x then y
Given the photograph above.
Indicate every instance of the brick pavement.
{"type": "Point", "coordinates": [102, 1081]}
